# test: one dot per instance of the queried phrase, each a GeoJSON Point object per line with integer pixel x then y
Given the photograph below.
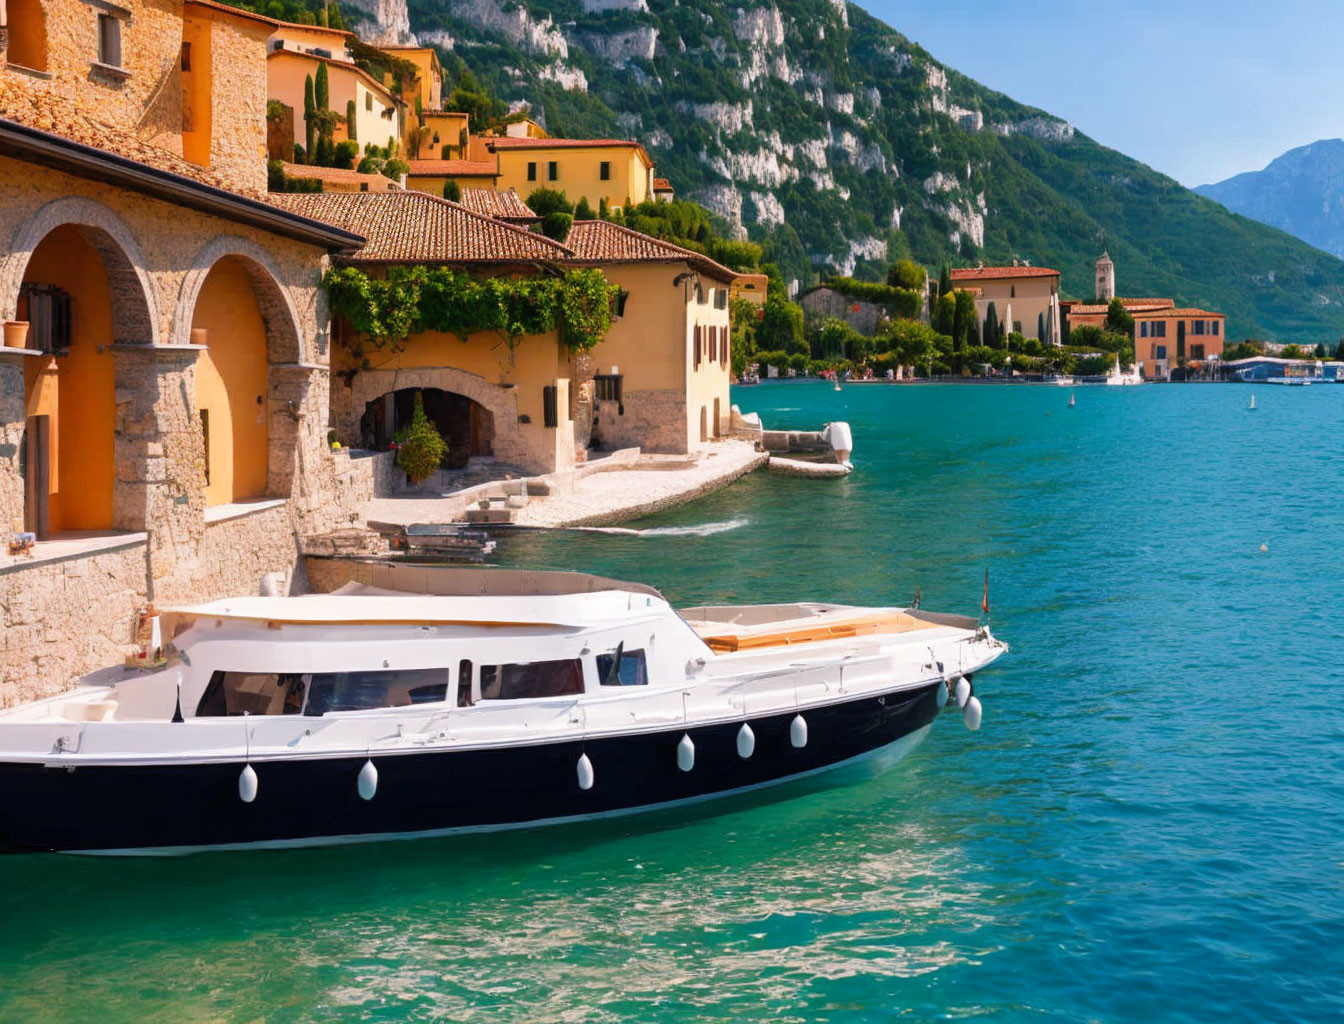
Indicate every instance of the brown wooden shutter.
{"type": "Point", "coordinates": [698, 342]}
{"type": "Point", "coordinates": [723, 346]}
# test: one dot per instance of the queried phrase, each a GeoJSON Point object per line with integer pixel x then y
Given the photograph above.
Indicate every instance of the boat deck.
{"type": "Point", "coordinates": [728, 629]}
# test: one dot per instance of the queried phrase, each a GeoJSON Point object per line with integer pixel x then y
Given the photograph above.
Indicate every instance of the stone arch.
{"type": "Point", "coordinates": [500, 402]}
{"type": "Point", "coordinates": [284, 339]}
{"type": "Point", "coordinates": [135, 311]}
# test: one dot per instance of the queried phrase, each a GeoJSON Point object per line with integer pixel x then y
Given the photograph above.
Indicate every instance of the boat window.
{"type": "Point", "coordinates": [633, 670]}
{"type": "Point", "coordinates": [363, 690]}
{"type": "Point", "coordinates": [251, 693]}
{"type": "Point", "coordinates": [532, 679]}
{"type": "Point", "coordinates": [464, 685]}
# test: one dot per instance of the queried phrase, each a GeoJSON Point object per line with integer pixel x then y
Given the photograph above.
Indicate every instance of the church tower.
{"type": "Point", "coordinates": [1105, 278]}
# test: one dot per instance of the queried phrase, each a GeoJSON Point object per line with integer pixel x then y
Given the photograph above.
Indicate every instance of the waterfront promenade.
{"type": "Point", "coordinates": [601, 493]}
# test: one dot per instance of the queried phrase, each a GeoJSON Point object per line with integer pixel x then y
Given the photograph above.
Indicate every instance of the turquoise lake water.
{"type": "Point", "coordinates": [1149, 826]}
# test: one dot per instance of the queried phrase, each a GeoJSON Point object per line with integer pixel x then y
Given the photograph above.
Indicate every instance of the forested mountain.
{"type": "Point", "coordinates": [826, 134]}
{"type": "Point", "coordinates": [1302, 192]}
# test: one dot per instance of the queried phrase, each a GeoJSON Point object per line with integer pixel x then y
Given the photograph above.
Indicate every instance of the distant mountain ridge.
{"type": "Point", "coordinates": [822, 132]}
{"type": "Point", "coordinates": [1301, 192]}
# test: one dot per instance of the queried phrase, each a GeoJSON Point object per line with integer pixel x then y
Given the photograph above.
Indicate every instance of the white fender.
{"type": "Point", "coordinates": [941, 695]}
{"type": "Point", "coordinates": [972, 714]}
{"type": "Point", "coordinates": [963, 691]}
{"type": "Point", "coordinates": [686, 753]}
{"type": "Point", "coordinates": [367, 783]}
{"type": "Point", "coordinates": [247, 784]}
{"type": "Point", "coordinates": [585, 771]}
{"type": "Point", "coordinates": [746, 741]}
{"type": "Point", "coordinates": [798, 732]}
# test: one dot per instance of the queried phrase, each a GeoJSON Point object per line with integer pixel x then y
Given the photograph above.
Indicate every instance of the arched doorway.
{"type": "Point", "coordinates": [231, 383]}
{"type": "Point", "coordinates": [467, 426]}
{"type": "Point", "coordinates": [69, 456]}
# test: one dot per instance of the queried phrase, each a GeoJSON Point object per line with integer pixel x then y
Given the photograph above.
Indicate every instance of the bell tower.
{"type": "Point", "coordinates": [1105, 278]}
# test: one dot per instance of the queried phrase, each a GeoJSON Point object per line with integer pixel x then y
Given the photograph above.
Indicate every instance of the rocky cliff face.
{"type": "Point", "coordinates": [1302, 192]}
{"type": "Point", "coordinates": [818, 130]}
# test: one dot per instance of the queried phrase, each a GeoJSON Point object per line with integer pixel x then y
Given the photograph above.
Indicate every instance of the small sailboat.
{"type": "Point", "coordinates": [1251, 407]}
{"type": "Point", "coordinates": [1072, 400]}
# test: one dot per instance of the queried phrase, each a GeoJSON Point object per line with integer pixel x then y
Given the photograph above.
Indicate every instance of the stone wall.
{"type": "Point", "coordinates": [157, 258]}
{"type": "Point", "coordinates": [64, 618]}
{"type": "Point", "coordinates": [654, 421]}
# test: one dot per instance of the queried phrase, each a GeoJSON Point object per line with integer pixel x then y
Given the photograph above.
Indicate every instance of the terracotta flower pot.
{"type": "Point", "coordinates": [16, 334]}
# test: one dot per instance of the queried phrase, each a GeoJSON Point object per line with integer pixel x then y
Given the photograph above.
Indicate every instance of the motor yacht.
{"type": "Point", "coordinates": [444, 700]}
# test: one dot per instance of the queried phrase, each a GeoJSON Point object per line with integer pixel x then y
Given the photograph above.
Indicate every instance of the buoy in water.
{"type": "Point", "coordinates": [585, 772]}
{"type": "Point", "coordinates": [962, 691]}
{"type": "Point", "coordinates": [247, 784]}
{"type": "Point", "coordinates": [1251, 407]}
{"type": "Point", "coordinates": [367, 783]}
{"type": "Point", "coordinates": [971, 716]}
{"type": "Point", "coordinates": [798, 732]}
{"type": "Point", "coordinates": [1072, 402]}
{"type": "Point", "coordinates": [1264, 547]}
{"type": "Point", "coordinates": [686, 753]}
{"type": "Point", "coordinates": [746, 742]}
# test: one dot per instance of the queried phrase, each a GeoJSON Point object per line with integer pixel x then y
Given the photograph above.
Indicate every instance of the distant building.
{"type": "Point", "coordinates": [336, 179]}
{"type": "Point", "coordinates": [1165, 338]}
{"type": "Point", "coordinates": [1025, 299]}
{"type": "Point", "coordinates": [662, 190]}
{"type": "Point", "coordinates": [614, 171]}
{"type": "Point", "coordinates": [751, 288]}
{"type": "Point", "coordinates": [1258, 369]}
{"type": "Point", "coordinates": [826, 303]}
{"type": "Point", "coordinates": [431, 175]}
{"type": "Point", "coordinates": [500, 204]}
{"type": "Point", "coordinates": [378, 112]}
{"type": "Point", "coordinates": [1105, 290]}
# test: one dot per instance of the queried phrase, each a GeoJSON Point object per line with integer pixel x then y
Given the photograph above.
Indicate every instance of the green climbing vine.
{"type": "Point", "coordinates": [385, 311]}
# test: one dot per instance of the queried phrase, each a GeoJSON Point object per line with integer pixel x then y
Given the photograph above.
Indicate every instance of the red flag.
{"type": "Point", "coordinates": [984, 602]}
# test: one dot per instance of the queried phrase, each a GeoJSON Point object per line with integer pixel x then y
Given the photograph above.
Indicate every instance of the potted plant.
{"type": "Point", "coordinates": [16, 334]}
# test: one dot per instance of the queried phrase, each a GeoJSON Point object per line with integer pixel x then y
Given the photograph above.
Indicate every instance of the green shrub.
{"type": "Point", "coordinates": [420, 447]}
{"type": "Point", "coordinates": [556, 225]}
{"type": "Point", "coordinates": [451, 190]}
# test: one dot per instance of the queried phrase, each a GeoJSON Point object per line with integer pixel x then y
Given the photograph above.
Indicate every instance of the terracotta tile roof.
{"type": "Point", "coordinates": [1000, 273]}
{"type": "Point", "coordinates": [1147, 312]}
{"type": "Point", "coordinates": [453, 169]}
{"type": "Point", "coordinates": [238, 12]}
{"type": "Point", "coordinates": [509, 142]}
{"type": "Point", "coordinates": [391, 98]}
{"type": "Point", "coordinates": [492, 202]}
{"type": "Point", "coordinates": [662, 185]}
{"type": "Point", "coordinates": [1131, 305]}
{"type": "Point", "coordinates": [414, 227]}
{"type": "Point", "coordinates": [599, 241]}
{"type": "Point", "coordinates": [340, 177]}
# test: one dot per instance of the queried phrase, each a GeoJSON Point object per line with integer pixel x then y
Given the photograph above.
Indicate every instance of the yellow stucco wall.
{"type": "Point", "coordinates": [77, 390]}
{"type": "Point", "coordinates": [449, 127]}
{"type": "Point", "coordinates": [434, 185]}
{"type": "Point", "coordinates": [27, 43]}
{"type": "Point", "coordinates": [578, 173]}
{"type": "Point", "coordinates": [230, 378]}
{"type": "Point", "coordinates": [537, 362]}
{"type": "Point", "coordinates": [1028, 296]}
{"type": "Point", "coordinates": [653, 345]}
{"type": "Point", "coordinates": [286, 74]}
{"type": "Point", "coordinates": [197, 90]}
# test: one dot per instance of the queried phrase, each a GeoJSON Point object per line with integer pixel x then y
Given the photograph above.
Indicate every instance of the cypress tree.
{"type": "Point", "coordinates": [992, 327]}
{"type": "Point", "coordinates": [944, 281]}
{"type": "Point", "coordinates": [350, 121]}
{"type": "Point", "coordinates": [1040, 327]}
{"type": "Point", "coordinates": [309, 118]}
{"type": "Point", "coordinates": [322, 87]}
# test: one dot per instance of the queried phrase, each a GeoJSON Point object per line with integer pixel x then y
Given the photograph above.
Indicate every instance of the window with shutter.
{"type": "Point", "coordinates": [697, 346]}
{"type": "Point", "coordinates": [109, 40]}
{"type": "Point", "coordinates": [550, 406]}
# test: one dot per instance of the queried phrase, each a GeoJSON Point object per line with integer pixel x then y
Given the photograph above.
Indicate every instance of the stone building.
{"type": "Point", "coordinates": [513, 406]}
{"type": "Point", "coordinates": [663, 368]}
{"type": "Point", "coordinates": [163, 429]}
{"type": "Point", "coordinates": [825, 303]}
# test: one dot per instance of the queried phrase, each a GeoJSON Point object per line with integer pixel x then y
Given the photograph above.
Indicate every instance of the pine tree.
{"type": "Point", "coordinates": [309, 118]}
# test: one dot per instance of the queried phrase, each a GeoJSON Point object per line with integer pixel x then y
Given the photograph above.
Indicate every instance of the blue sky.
{"type": "Point", "coordinates": [1197, 89]}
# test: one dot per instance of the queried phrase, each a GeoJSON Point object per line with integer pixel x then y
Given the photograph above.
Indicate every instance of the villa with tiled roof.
{"type": "Point", "coordinates": [164, 395]}
{"type": "Point", "coordinates": [1025, 298]}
